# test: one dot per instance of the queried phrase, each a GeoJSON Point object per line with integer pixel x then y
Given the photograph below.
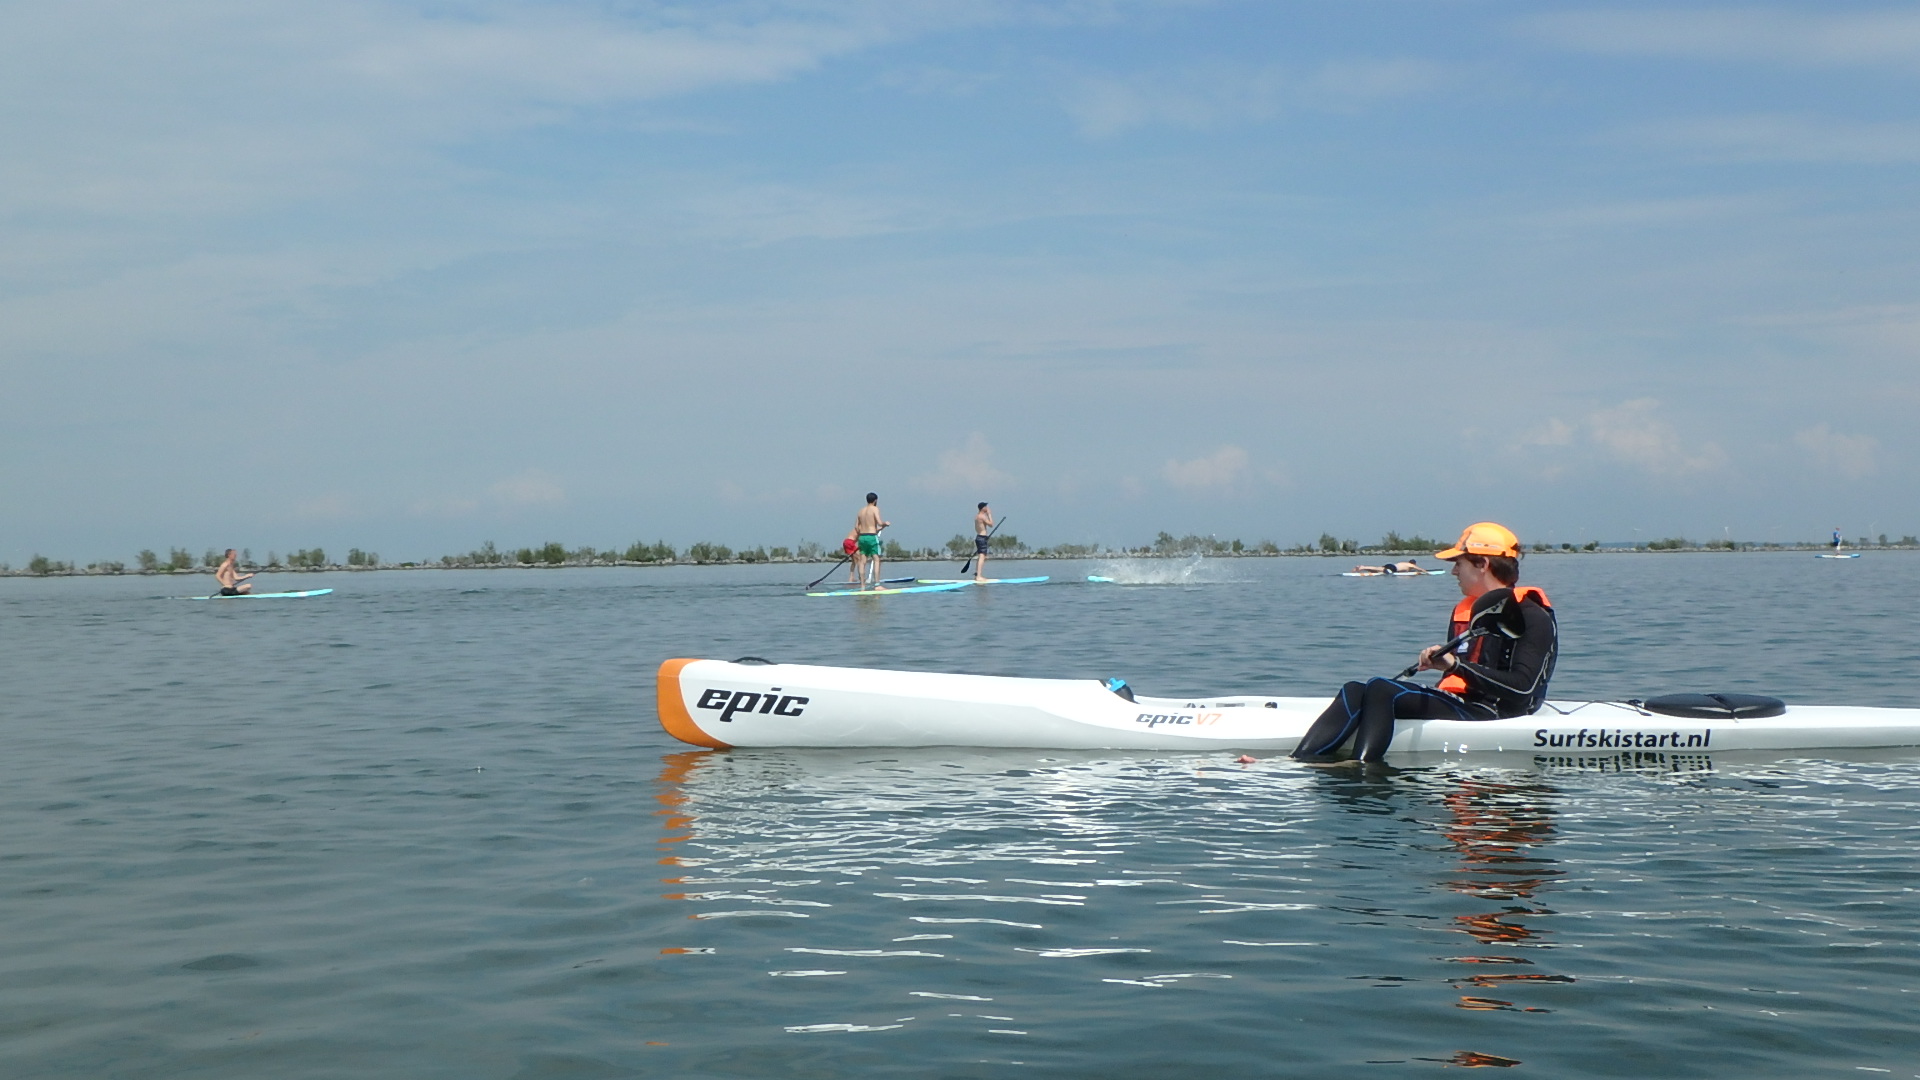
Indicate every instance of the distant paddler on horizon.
{"type": "Point", "coordinates": [866, 552]}
{"type": "Point", "coordinates": [232, 581]}
{"type": "Point", "coordinates": [1836, 538]}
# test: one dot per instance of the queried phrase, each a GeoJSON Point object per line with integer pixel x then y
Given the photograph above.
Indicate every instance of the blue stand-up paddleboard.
{"type": "Point", "coordinates": [1848, 555]}
{"type": "Point", "coordinates": [260, 595]}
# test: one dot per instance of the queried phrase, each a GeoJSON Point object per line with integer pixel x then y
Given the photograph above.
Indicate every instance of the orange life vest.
{"type": "Point", "coordinates": [1462, 620]}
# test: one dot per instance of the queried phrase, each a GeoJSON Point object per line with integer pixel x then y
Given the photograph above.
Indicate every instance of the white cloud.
{"type": "Point", "coordinates": [1653, 213]}
{"type": "Point", "coordinates": [1105, 106]}
{"type": "Point", "coordinates": [967, 468]}
{"type": "Point", "coordinates": [220, 106]}
{"type": "Point", "coordinates": [1225, 468]}
{"type": "Point", "coordinates": [1786, 137]}
{"type": "Point", "coordinates": [1633, 434]}
{"type": "Point", "coordinates": [1852, 456]}
{"type": "Point", "coordinates": [531, 487]}
{"type": "Point", "coordinates": [451, 506]}
{"type": "Point", "coordinates": [517, 491]}
{"type": "Point", "coordinates": [1555, 432]}
{"type": "Point", "coordinates": [332, 506]}
{"type": "Point", "coordinates": [1888, 38]}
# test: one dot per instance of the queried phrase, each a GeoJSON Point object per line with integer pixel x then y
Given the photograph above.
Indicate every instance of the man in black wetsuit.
{"type": "Point", "coordinates": [1505, 642]}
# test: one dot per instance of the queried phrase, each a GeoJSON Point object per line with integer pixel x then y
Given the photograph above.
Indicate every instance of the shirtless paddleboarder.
{"type": "Point", "coordinates": [232, 581]}
{"type": "Point", "coordinates": [982, 532]}
{"type": "Point", "coordinates": [866, 539]}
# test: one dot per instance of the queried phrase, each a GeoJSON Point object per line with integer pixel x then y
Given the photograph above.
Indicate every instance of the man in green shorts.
{"type": "Point", "coordinates": [866, 537]}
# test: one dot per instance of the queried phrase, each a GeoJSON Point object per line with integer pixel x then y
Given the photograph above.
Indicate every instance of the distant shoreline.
{"type": "Point", "coordinates": [1719, 548]}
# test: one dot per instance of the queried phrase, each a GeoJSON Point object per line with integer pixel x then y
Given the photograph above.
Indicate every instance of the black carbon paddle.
{"type": "Point", "coordinates": [1508, 621]}
{"type": "Point", "coordinates": [990, 532]}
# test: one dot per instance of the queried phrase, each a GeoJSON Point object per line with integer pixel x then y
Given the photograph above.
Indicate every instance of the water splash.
{"type": "Point", "coordinates": [1194, 571]}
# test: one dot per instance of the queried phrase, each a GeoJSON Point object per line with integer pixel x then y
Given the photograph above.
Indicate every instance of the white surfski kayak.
{"type": "Point", "coordinates": [721, 704]}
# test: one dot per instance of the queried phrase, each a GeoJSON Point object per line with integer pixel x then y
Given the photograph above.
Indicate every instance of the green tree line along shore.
{"type": "Point", "coordinates": [1004, 545]}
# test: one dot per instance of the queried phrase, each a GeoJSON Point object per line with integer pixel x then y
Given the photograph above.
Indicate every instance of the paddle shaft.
{"type": "Point", "coordinates": [829, 573]}
{"type": "Point", "coordinates": [990, 532]}
{"type": "Point", "coordinates": [1444, 649]}
{"type": "Point", "coordinates": [836, 566]}
{"type": "Point", "coordinates": [1507, 621]}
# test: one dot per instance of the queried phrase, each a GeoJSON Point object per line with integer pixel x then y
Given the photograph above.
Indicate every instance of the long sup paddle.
{"type": "Point", "coordinates": [843, 562]}
{"type": "Point", "coordinates": [990, 532]}
{"type": "Point", "coordinates": [830, 570]}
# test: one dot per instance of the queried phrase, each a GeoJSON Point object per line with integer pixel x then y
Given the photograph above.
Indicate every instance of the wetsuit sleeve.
{"type": "Point", "coordinates": [1518, 688]}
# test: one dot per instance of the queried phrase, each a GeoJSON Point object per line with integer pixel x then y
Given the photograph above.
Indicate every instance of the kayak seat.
{"type": "Point", "coordinates": [1715, 706]}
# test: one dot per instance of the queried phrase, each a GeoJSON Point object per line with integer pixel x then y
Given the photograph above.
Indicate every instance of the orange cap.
{"type": "Point", "coordinates": [1483, 538]}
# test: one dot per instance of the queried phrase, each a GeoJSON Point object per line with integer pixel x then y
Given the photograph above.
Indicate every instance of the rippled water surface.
{"type": "Point", "coordinates": [429, 826]}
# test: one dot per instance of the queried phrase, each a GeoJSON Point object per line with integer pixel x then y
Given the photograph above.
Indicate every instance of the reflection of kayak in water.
{"type": "Point", "coordinates": [720, 704]}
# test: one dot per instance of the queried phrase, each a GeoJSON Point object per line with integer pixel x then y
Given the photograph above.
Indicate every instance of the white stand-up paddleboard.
{"type": "Point", "coordinates": [1847, 555]}
{"type": "Point", "coordinates": [720, 704]}
{"type": "Point", "coordinates": [261, 595]}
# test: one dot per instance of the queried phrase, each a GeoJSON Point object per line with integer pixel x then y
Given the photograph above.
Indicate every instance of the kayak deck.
{"type": "Point", "coordinates": [719, 704]}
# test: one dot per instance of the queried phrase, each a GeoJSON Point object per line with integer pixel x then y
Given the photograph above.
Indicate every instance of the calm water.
{"type": "Point", "coordinates": [429, 827]}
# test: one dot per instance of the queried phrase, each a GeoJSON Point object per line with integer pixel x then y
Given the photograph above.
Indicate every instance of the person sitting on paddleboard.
{"type": "Point", "coordinates": [1506, 639]}
{"type": "Point", "coordinates": [232, 581]}
{"type": "Point", "coordinates": [866, 528]}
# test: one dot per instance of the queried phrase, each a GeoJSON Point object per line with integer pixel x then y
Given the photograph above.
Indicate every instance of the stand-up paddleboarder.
{"type": "Point", "coordinates": [982, 533]}
{"type": "Point", "coordinates": [866, 533]}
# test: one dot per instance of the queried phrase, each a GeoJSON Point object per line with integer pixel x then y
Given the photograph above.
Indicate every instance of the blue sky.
{"type": "Point", "coordinates": [413, 276]}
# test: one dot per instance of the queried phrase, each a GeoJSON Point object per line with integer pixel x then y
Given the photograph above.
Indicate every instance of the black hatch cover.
{"type": "Point", "coordinates": [1716, 706]}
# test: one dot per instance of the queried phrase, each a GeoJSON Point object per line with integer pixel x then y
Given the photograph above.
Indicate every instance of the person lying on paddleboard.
{"type": "Point", "coordinates": [232, 581]}
{"type": "Point", "coordinates": [866, 553]}
{"type": "Point", "coordinates": [1505, 641]}
{"type": "Point", "coordinates": [1408, 567]}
